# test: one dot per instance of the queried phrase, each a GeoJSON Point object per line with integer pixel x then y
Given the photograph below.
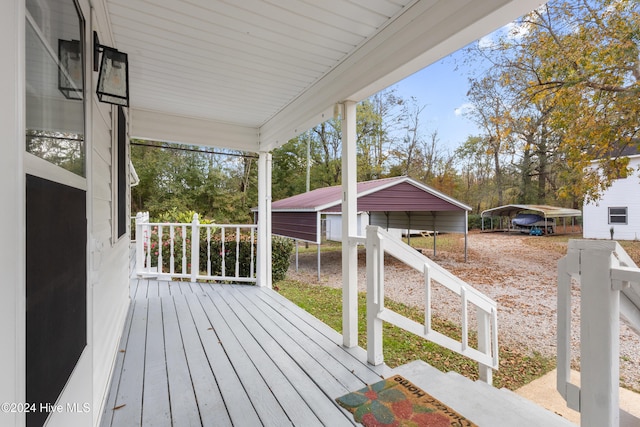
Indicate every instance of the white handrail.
{"type": "Point", "coordinates": [159, 245]}
{"type": "Point", "coordinates": [378, 243]}
{"type": "Point", "coordinates": [609, 290]}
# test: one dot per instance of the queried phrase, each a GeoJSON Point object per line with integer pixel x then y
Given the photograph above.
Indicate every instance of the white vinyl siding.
{"type": "Point", "coordinates": [617, 209]}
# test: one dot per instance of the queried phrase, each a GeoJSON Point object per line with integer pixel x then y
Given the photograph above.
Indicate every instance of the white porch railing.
{"type": "Point", "coordinates": [379, 242]}
{"type": "Point", "coordinates": [175, 250]}
{"type": "Point", "coordinates": [609, 289]}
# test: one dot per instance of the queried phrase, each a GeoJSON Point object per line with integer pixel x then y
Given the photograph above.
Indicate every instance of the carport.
{"type": "Point", "coordinates": [396, 203]}
{"type": "Point", "coordinates": [509, 211]}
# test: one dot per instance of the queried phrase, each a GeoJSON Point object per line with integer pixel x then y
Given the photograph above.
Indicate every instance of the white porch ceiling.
{"type": "Point", "coordinates": [251, 74]}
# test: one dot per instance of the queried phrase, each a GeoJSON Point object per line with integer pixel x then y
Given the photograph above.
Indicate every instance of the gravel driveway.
{"type": "Point", "coordinates": [520, 277]}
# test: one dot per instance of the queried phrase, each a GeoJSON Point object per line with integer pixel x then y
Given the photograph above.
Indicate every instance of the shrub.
{"type": "Point", "coordinates": [282, 248]}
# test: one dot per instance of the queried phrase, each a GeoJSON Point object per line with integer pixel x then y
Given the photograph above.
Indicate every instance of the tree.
{"type": "Point", "coordinates": [379, 121]}
{"type": "Point", "coordinates": [478, 189]}
{"type": "Point", "coordinates": [289, 168]}
{"type": "Point", "coordinates": [492, 113]}
{"type": "Point", "coordinates": [221, 187]}
{"type": "Point", "coordinates": [582, 57]}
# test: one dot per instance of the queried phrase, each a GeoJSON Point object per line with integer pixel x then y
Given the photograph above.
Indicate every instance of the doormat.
{"type": "Point", "coordinates": [397, 402]}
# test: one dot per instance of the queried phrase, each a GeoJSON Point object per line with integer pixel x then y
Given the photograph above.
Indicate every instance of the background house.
{"type": "Point", "coordinates": [619, 207]}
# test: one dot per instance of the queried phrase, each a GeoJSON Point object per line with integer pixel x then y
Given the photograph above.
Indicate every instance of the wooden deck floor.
{"type": "Point", "coordinates": [214, 355]}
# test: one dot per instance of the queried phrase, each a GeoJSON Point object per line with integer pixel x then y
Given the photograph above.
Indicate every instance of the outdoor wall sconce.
{"type": "Point", "coordinates": [113, 78]}
{"type": "Point", "coordinates": [70, 69]}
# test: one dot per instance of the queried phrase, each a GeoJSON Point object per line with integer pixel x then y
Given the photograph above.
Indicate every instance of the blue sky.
{"type": "Point", "coordinates": [442, 89]}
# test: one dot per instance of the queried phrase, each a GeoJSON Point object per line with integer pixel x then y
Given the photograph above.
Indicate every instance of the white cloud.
{"type": "Point", "coordinates": [486, 42]}
{"type": "Point", "coordinates": [464, 109]}
{"type": "Point", "coordinates": [517, 30]}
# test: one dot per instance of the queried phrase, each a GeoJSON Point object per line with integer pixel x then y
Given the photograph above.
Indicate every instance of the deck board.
{"type": "Point", "coordinates": [155, 400]}
{"type": "Point", "coordinates": [184, 409]}
{"type": "Point", "coordinates": [210, 354]}
{"type": "Point", "coordinates": [208, 398]}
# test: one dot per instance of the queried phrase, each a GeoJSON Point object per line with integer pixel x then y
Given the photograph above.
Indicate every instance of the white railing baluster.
{"type": "Point", "coordinates": [195, 248]}
{"type": "Point", "coordinates": [147, 244]}
{"type": "Point", "coordinates": [465, 320]}
{"type": "Point", "coordinates": [139, 244]}
{"type": "Point", "coordinates": [484, 343]}
{"type": "Point", "coordinates": [184, 249]}
{"type": "Point", "coordinates": [223, 252]}
{"type": "Point", "coordinates": [251, 264]}
{"type": "Point", "coordinates": [374, 324]}
{"type": "Point", "coordinates": [427, 302]}
{"type": "Point", "coordinates": [172, 258]}
{"type": "Point", "coordinates": [237, 251]}
{"type": "Point", "coordinates": [160, 249]}
{"type": "Point", "coordinates": [563, 349]}
{"type": "Point", "coordinates": [208, 251]}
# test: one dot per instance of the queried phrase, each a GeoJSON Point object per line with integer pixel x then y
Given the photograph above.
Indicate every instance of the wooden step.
{"type": "Point", "coordinates": [479, 402]}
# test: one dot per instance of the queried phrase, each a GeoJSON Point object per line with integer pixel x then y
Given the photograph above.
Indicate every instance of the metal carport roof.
{"type": "Point", "coordinates": [293, 216]}
{"type": "Point", "coordinates": [547, 211]}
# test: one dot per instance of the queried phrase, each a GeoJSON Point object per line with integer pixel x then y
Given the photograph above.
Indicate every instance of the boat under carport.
{"type": "Point", "coordinates": [547, 212]}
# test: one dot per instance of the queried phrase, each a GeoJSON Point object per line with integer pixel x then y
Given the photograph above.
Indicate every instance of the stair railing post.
{"type": "Point", "coordinates": [195, 248]}
{"type": "Point", "coordinates": [375, 295]}
{"type": "Point", "coordinates": [599, 337]}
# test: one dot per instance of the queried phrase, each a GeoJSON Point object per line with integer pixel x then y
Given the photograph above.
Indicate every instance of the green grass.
{"type": "Point", "coordinates": [400, 347]}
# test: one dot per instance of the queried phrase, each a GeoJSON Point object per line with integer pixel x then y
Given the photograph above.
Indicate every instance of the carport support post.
{"type": "Point", "coordinates": [264, 220]}
{"type": "Point", "coordinates": [349, 226]}
{"type": "Point", "coordinates": [466, 232]}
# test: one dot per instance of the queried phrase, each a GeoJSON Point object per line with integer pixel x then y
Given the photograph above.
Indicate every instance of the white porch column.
{"type": "Point", "coordinates": [12, 214]}
{"type": "Point", "coordinates": [264, 220]}
{"type": "Point", "coordinates": [349, 226]}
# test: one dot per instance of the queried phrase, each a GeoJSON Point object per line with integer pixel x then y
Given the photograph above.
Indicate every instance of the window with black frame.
{"type": "Point", "coordinates": [55, 125]}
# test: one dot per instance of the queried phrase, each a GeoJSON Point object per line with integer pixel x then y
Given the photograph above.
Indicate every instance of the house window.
{"type": "Point", "coordinates": [55, 83]}
{"type": "Point", "coordinates": [617, 215]}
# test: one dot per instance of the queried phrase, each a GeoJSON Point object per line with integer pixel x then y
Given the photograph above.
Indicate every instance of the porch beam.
{"type": "Point", "coordinates": [264, 270]}
{"type": "Point", "coordinates": [165, 127]}
{"type": "Point", "coordinates": [349, 226]}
